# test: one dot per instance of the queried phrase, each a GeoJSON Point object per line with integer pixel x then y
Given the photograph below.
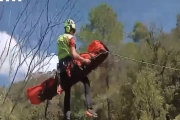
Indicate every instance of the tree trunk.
{"type": "Point", "coordinates": [107, 85]}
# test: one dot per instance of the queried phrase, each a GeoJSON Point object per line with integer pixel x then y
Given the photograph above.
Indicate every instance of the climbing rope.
{"type": "Point", "coordinates": [143, 62]}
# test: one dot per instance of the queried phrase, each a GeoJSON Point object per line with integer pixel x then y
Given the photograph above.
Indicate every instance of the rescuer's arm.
{"type": "Point", "coordinates": [75, 54]}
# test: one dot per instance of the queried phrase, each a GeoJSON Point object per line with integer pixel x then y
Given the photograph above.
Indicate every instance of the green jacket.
{"type": "Point", "coordinates": [63, 45]}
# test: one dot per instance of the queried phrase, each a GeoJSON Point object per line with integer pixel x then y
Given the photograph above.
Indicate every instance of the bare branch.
{"type": "Point", "coordinates": [35, 57]}
{"type": "Point", "coordinates": [1, 15]}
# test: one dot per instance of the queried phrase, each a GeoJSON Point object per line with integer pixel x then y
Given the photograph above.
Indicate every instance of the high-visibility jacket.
{"type": "Point", "coordinates": [63, 45]}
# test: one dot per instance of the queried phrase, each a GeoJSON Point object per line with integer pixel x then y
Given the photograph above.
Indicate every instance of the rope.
{"type": "Point", "coordinates": [143, 62]}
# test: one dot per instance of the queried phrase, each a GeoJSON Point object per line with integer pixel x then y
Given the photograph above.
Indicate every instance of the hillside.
{"type": "Point", "coordinates": [25, 110]}
{"type": "Point", "coordinates": [24, 107]}
{"type": "Point", "coordinates": [140, 80]}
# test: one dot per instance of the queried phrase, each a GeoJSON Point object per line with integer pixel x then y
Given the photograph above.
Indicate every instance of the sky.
{"type": "Point", "coordinates": [162, 12]}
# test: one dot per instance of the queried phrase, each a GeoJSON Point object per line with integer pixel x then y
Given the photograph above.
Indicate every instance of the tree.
{"type": "Point", "coordinates": [140, 31]}
{"type": "Point", "coordinates": [149, 100]}
{"type": "Point", "coordinates": [104, 25]}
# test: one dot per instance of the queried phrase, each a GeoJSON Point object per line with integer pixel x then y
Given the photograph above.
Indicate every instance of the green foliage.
{"type": "Point", "coordinates": [125, 89]}
{"type": "Point", "coordinates": [5, 108]}
{"type": "Point", "coordinates": [148, 98]}
{"type": "Point", "coordinates": [140, 32]}
{"type": "Point", "coordinates": [103, 25]}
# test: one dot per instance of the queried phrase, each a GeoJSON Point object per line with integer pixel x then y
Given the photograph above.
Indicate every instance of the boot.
{"type": "Point", "coordinates": [91, 113]}
{"type": "Point", "coordinates": [59, 89]}
{"type": "Point", "coordinates": [67, 116]}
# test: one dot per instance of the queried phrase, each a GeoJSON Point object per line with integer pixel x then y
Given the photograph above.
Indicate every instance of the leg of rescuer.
{"type": "Point", "coordinates": [67, 103]}
{"type": "Point", "coordinates": [90, 111]}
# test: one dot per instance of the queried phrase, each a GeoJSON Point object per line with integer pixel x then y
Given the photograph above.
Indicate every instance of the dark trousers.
{"type": "Point", "coordinates": [67, 83]}
{"type": "Point", "coordinates": [67, 97]}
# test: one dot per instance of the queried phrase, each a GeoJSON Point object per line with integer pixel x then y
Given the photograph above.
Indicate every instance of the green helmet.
{"type": "Point", "coordinates": [69, 24]}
